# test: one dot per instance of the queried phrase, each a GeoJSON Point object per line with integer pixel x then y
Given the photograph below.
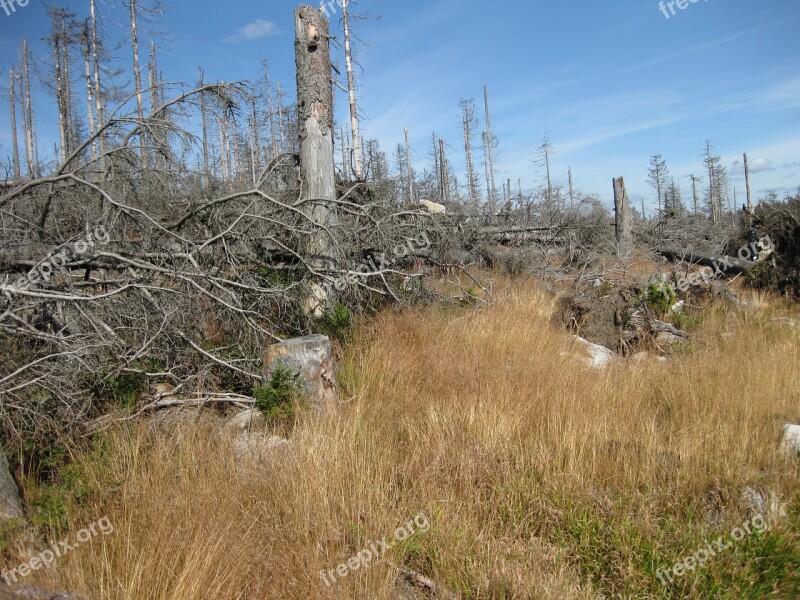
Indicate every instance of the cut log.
{"type": "Point", "coordinates": [310, 358]}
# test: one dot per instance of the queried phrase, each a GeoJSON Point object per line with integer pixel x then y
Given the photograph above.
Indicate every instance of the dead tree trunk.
{"type": "Point", "coordinates": [86, 51]}
{"type": "Point", "coordinates": [98, 100]}
{"type": "Point", "coordinates": [273, 134]}
{"type": "Point", "coordinates": [747, 183]}
{"type": "Point", "coordinates": [409, 171]}
{"type": "Point", "coordinates": [572, 191]}
{"type": "Point", "coordinates": [315, 124]}
{"type": "Point", "coordinates": [622, 211]}
{"type": "Point", "coordinates": [30, 137]}
{"type": "Point", "coordinates": [445, 177]}
{"type": "Point", "coordinates": [137, 74]}
{"type": "Point", "coordinates": [489, 141]}
{"type": "Point", "coordinates": [351, 93]}
{"type": "Point", "coordinates": [204, 121]}
{"type": "Point", "coordinates": [12, 100]}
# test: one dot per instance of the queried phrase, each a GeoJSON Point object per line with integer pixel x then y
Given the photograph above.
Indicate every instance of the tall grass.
{"type": "Point", "coordinates": [541, 477]}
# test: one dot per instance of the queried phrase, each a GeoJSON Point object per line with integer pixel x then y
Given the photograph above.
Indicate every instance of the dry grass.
{"type": "Point", "coordinates": [541, 477]}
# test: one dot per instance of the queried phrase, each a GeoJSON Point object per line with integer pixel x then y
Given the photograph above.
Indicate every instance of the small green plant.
{"type": "Point", "coordinates": [337, 322]}
{"type": "Point", "coordinates": [276, 399]}
{"type": "Point", "coordinates": [471, 297]}
{"type": "Point", "coordinates": [660, 297]}
{"type": "Point", "coordinates": [684, 320]}
{"type": "Point", "coordinates": [126, 388]}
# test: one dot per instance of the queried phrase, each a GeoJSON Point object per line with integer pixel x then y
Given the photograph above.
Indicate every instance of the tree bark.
{"type": "Point", "coordinates": [12, 100]}
{"type": "Point", "coordinates": [30, 138]}
{"type": "Point", "coordinates": [747, 183]}
{"type": "Point", "coordinates": [86, 51]}
{"type": "Point", "coordinates": [409, 170]}
{"type": "Point", "coordinates": [351, 93]}
{"type": "Point", "coordinates": [622, 211]}
{"type": "Point", "coordinates": [489, 140]}
{"type": "Point", "coordinates": [98, 99]}
{"type": "Point", "coordinates": [137, 75]}
{"type": "Point", "coordinates": [315, 121]}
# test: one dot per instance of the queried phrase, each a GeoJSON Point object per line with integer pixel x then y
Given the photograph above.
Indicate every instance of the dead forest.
{"type": "Point", "coordinates": [179, 228]}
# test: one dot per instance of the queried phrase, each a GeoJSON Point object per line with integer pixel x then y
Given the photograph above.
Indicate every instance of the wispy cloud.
{"type": "Point", "coordinates": [260, 28]}
{"type": "Point", "coordinates": [762, 164]}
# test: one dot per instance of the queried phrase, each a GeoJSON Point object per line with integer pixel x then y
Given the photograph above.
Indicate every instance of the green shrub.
{"type": "Point", "coordinates": [277, 398]}
{"type": "Point", "coordinates": [660, 297]}
{"type": "Point", "coordinates": [337, 322]}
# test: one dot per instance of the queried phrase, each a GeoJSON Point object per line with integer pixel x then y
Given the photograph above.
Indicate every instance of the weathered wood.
{"type": "Point", "coordinates": [10, 503]}
{"type": "Point", "coordinates": [315, 120]}
{"type": "Point", "coordinates": [622, 210]}
{"type": "Point", "coordinates": [725, 264]}
{"type": "Point", "coordinates": [310, 357]}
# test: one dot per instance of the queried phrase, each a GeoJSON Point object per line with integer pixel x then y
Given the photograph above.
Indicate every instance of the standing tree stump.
{"type": "Point", "coordinates": [310, 358]}
{"type": "Point", "coordinates": [622, 211]}
{"type": "Point", "coordinates": [10, 504]}
{"type": "Point", "coordinates": [315, 120]}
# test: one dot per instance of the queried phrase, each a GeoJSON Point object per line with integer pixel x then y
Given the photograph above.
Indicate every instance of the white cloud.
{"type": "Point", "coordinates": [258, 29]}
{"type": "Point", "coordinates": [761, 164]}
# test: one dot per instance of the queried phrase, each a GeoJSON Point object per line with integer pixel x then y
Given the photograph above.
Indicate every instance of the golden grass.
{"type": "Point", "coordinates": [541, 477]}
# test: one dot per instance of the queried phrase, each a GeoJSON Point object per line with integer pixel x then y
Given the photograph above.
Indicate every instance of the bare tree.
{"type": "Point", "coordinates": [747, 183]}
{"type": "Point", "coordinates": [12, 101]}
{"type": "Point", "coordinates": [351, 93]}
{"type": "Point", "coordinates": [469, 121]}
{"type": "Point", "coordinates": [622, 211]}
{"type": "Point", "coordinates": [657, 177]}
{"type": "Point", "coordinates": [315, 117]}
{"type": "Point", "coordinates": [30, 135]}
{"type": "Point", "coordinates": [409, 171]}
{"type": "Point", "coordinates": [489, 142]}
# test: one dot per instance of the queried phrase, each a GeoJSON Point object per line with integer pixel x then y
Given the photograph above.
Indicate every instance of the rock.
{"type": "Point", "coordinates": [433, 207]}
{"type": "Point", "coordinates": [790, 443]}
{"type": "Point", "coordinates": [248, 420]}
{"type": "Point", "coordinates": [31, 593]}
{"type": "Point", "coordinates": [596, 356]}
{"type": "Point", "coordinates": [755, 501]}
{"type": "Point", "coordinates": [311, 358]}
{"type": "Point", "coordinates": [667, 333]}
{"type": "Point", "coordinates": [256, 447]}
{"type": "Point", "coordinates": [10, 503]}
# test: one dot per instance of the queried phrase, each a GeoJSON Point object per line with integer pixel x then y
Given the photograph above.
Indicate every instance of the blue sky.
{"type": "Point", "coordinates": [611, 82]}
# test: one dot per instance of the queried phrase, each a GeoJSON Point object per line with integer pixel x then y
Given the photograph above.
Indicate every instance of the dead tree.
{"type": "Point", "coordinates": [315, 121]}
{"type": "Point", "coordinates": [469, 121]}
{"type": "Point", "coordinates": [86, 50]}
{"type": "Point", "coordinates": [444, 178]}
{"type": "Point", "coordinates": [489, 149]}
{"type": "Point", "coordinates": [622, 212]}
{"type": "Point", "coordinates": [409, 171]}
{"type": "Point", "coordinates": [351, 94]}
{"type": "Point", "coordinates": [747, 183]}
{"type": "Point", "coordinates": [12, 101]}
{"type": "Point", "coordinates": [30, 135]}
